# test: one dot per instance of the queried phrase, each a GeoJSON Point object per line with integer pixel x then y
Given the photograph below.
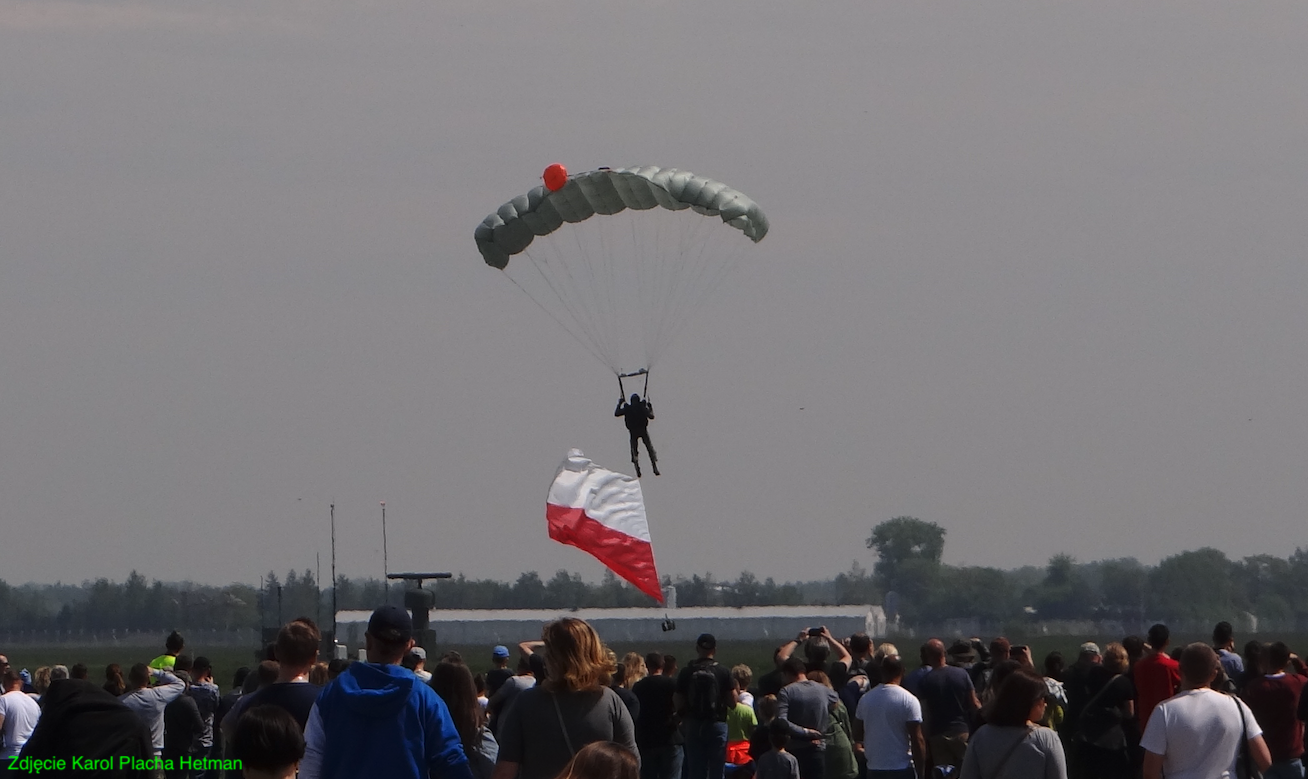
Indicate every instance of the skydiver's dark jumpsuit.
{"type": "Point", "coordinates": [637, 415]}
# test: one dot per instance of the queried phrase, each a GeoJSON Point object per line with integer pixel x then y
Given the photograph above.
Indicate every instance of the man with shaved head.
{"type": "Point", "coordinates": [913, 679]}
{"type": "Point", "coordinates": [948, 702]}
{"type": "Point", "coordinates": [1197, 732]}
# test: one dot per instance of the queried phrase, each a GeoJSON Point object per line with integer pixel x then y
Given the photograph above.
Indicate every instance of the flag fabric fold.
{"type": "Point", "coordinates": [602, 513]}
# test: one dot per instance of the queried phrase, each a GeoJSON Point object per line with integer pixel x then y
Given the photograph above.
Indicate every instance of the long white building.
{"type": "Point", "coordinates": [509, 626]}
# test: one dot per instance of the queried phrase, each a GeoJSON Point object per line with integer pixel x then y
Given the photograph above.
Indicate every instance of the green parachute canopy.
{"type": "Point", "coordinates": [621, 258]}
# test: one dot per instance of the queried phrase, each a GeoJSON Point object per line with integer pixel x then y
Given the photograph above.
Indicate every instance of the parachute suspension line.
{"type": "Point", "coordinates": [566, 294]}
{"type": "Point", "coordinates": [599, 293]}
{"type": "Point", "coordinates": [584, 341]}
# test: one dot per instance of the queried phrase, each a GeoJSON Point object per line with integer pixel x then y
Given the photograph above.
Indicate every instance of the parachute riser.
{"type": "Point", "coordinates": [622, 392]}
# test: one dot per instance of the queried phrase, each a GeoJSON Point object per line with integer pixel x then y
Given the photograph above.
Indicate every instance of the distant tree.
{"type": "Point", "coordinates": [1065, 593]}
{"type": "Point", "coordinates": [1194, 586]}
{"type": "Point", "coordinates": [528, 592]}
{"type": "Point", "coordinates": [908, 561]}
{"type": "Point", "coordinates": [1124, 583]}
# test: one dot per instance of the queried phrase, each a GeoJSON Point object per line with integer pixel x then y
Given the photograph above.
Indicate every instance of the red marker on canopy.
{"type": "Point", "coordinates": [555, 177]}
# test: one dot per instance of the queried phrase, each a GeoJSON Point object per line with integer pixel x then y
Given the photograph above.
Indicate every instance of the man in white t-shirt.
{"type": "Point", "coordinates": [1196, 733]}
{"type": "Point", "coordinates": [18, 715]}
{"type": "Point", "coordinates": [890, 719]}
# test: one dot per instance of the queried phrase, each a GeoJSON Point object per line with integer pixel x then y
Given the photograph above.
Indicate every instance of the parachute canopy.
{"type": "Point", "coordinates": [620, 258]}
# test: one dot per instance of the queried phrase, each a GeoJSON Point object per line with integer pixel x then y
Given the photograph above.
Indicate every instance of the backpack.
{"type": "Point", "coordinates": [704, 694]}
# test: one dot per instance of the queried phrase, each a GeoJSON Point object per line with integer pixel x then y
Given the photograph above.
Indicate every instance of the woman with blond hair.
{"type": "Point", "coordinates": [549, 724]}
{"type": "Point", "coordinates": [633, 669]}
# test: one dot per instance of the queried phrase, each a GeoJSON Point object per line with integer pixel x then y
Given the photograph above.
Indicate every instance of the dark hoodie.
{"type": "Point", "coordinates": [79, 719]}
{"type": "Point", "coordinates": [380, 720]}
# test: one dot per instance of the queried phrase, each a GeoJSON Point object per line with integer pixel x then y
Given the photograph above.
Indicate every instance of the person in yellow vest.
{"type": "Point", "coordinates": [168, 660]}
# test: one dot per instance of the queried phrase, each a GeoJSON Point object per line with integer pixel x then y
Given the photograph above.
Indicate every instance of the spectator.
{"type": "Point", "coordinates": [225, 704]}
{"type": "Point", "coordinates": [1198, 732]}
{"type": "Point", "coordinates": [183, 724]}
{"type": "Point", "coordinates": [860, 654]}
{"type": "Point", "coordinates": [741, 723]}
{"type": "Point", "coordinates": [981, 672]}
{"type": "Point", "coordinates": [818, 647]}
{"type": "Point", "coordinates": [319, 675]}
{"type": "Point", "coordinates": [913, 679]}
{"type": "Point", "coordinates": [948, 703]}
{"type": "Point", "coordinates": [742, 675]}
{"type": "Point", "coordinates": [759, 743]}
{"type": "Point", "coordinates": [297, 651]}
{"type": "Point", "coordinates": [18, 715]}
{"type": "Point", "coordinates": [1274, 698]}
{"type": "Point", "coordinates": [839, 736]}
{"type": "Point", "coordinates": [669, 666]}
{"type": "Point", "coordinates": [1135, 649]}
{"type": "Point", "coordinates": [1102, 732]}
{"type": "Point", "coordinates": [79, 671]}
{"type": "Point", "coordinates": [114, 683]}
{"type": "Point", "coordinates": [1011, 745]}
{"type": "Point", "coordinates": [965, 654]}
{"type": "Point", "coordinates": [704, 694]}
{"type": "Point", "coordinates": [265, 674]}
{"type": "Point", "coordinates": [573, 707]}
{"type": "Point", "coordinates": [80, 719]}
{"type": "Point", "coordinates": [500, 672]}
{"type": "Point", "coordinates": [57, 673]}
{"type": "Point", "coordinates": [149, 702]}
{"type": "Point", "coordinates": [269, 743]}
{"type": "Point", "coordinates": [1224, 643]}
{"type": "Point", "coordinates": [336, 666]}
{"type": "Point", "coordinates": [41, 681]}
{"type": "Point", "coordinates": [1055, 693]}
{"type": "Point", "coordinates": [623, 691]}
{"type": "Point", "coordinates": [453, 682]}
{"type": "Point", "coordinates": [1254, 663]}
{"type": "Point", "coordinates": [805, 706]}
{"type": "Point", "coordinates": [416, 661]}
{"type": "Point", "coordinates": [777, 763]}
{"type": "Point", "coordinates": [1157, 677]}
{"type": "Point", "coordinates": [601, 760]}
{"type": "Point", "coordinates": [377, 719]}
{"type": "Point", "coordinates": [205, 693]}
{"type": "Point", "coordinates": [1079, 682]}
{"type": "Point", "coordinates": [499, 703]}
{"type": "Point", "coordinates": [173, 646]}
{"type": "Point", "coordinates": [633, 670]}
{"type": "Point", "coordinates": [889, 721]}
{"type": "Point", "coordinates": [657, 734]}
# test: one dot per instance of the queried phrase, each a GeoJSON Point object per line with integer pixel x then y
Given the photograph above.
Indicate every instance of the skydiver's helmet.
{"type": "Point", "coordinates": [635, 398]}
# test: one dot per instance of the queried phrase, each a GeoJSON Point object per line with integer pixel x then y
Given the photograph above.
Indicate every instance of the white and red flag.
{"type": "Point", "coordinates": [602, 512]}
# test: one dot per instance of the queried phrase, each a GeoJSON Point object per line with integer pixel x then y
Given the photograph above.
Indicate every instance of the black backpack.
{"type": "Point", "coordinates": [704, 694]}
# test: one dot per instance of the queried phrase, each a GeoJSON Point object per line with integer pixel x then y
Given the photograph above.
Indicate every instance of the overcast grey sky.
{"type": "Point", "coordinates": [1035, 273]}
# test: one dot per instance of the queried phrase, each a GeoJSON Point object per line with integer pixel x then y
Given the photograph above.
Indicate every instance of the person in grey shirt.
{"type": "Point", "coordinates": [1010, 745]}
{"type": "Point", "coordinates": [805, 706]}
{"type": "Point", "coordinates": [149, 702]}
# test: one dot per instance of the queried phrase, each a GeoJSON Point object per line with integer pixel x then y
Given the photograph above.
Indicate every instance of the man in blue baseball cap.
{"type": "Point", "coordinates": [378, 719]}
{"type": "Point", "coordinates": [501, 672]}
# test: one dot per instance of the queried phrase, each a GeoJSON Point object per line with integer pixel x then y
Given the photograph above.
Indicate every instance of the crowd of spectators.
{"type": "Point", "coordinates": [568, 709]}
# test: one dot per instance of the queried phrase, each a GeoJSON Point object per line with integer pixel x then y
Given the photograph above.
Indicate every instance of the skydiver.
{"type": "Point", "coordinates": [637, 413]}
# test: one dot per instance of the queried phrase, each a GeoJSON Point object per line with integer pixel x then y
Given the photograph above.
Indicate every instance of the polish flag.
{"type": "Point", "coordinates": [602, 512]}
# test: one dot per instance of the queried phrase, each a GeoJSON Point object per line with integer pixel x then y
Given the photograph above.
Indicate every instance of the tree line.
{"type": "Point", "coordinates": [908, 576]}
{"type": "Point", "coordinates": [1200, 586]}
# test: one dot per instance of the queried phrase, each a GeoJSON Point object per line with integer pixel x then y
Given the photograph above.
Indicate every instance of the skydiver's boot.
{"type": "Point", "coordinates": [637, 464]}
{"type": "Point", "coordinates": [654, 464]}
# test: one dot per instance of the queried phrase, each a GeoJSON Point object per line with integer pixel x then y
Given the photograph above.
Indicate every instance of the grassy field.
{"type": "Point", "coordinates": [756, 654]}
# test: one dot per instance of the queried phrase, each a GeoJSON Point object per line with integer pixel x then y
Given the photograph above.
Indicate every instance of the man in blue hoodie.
{"type": "Point", "coordinates": [378, 719]}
